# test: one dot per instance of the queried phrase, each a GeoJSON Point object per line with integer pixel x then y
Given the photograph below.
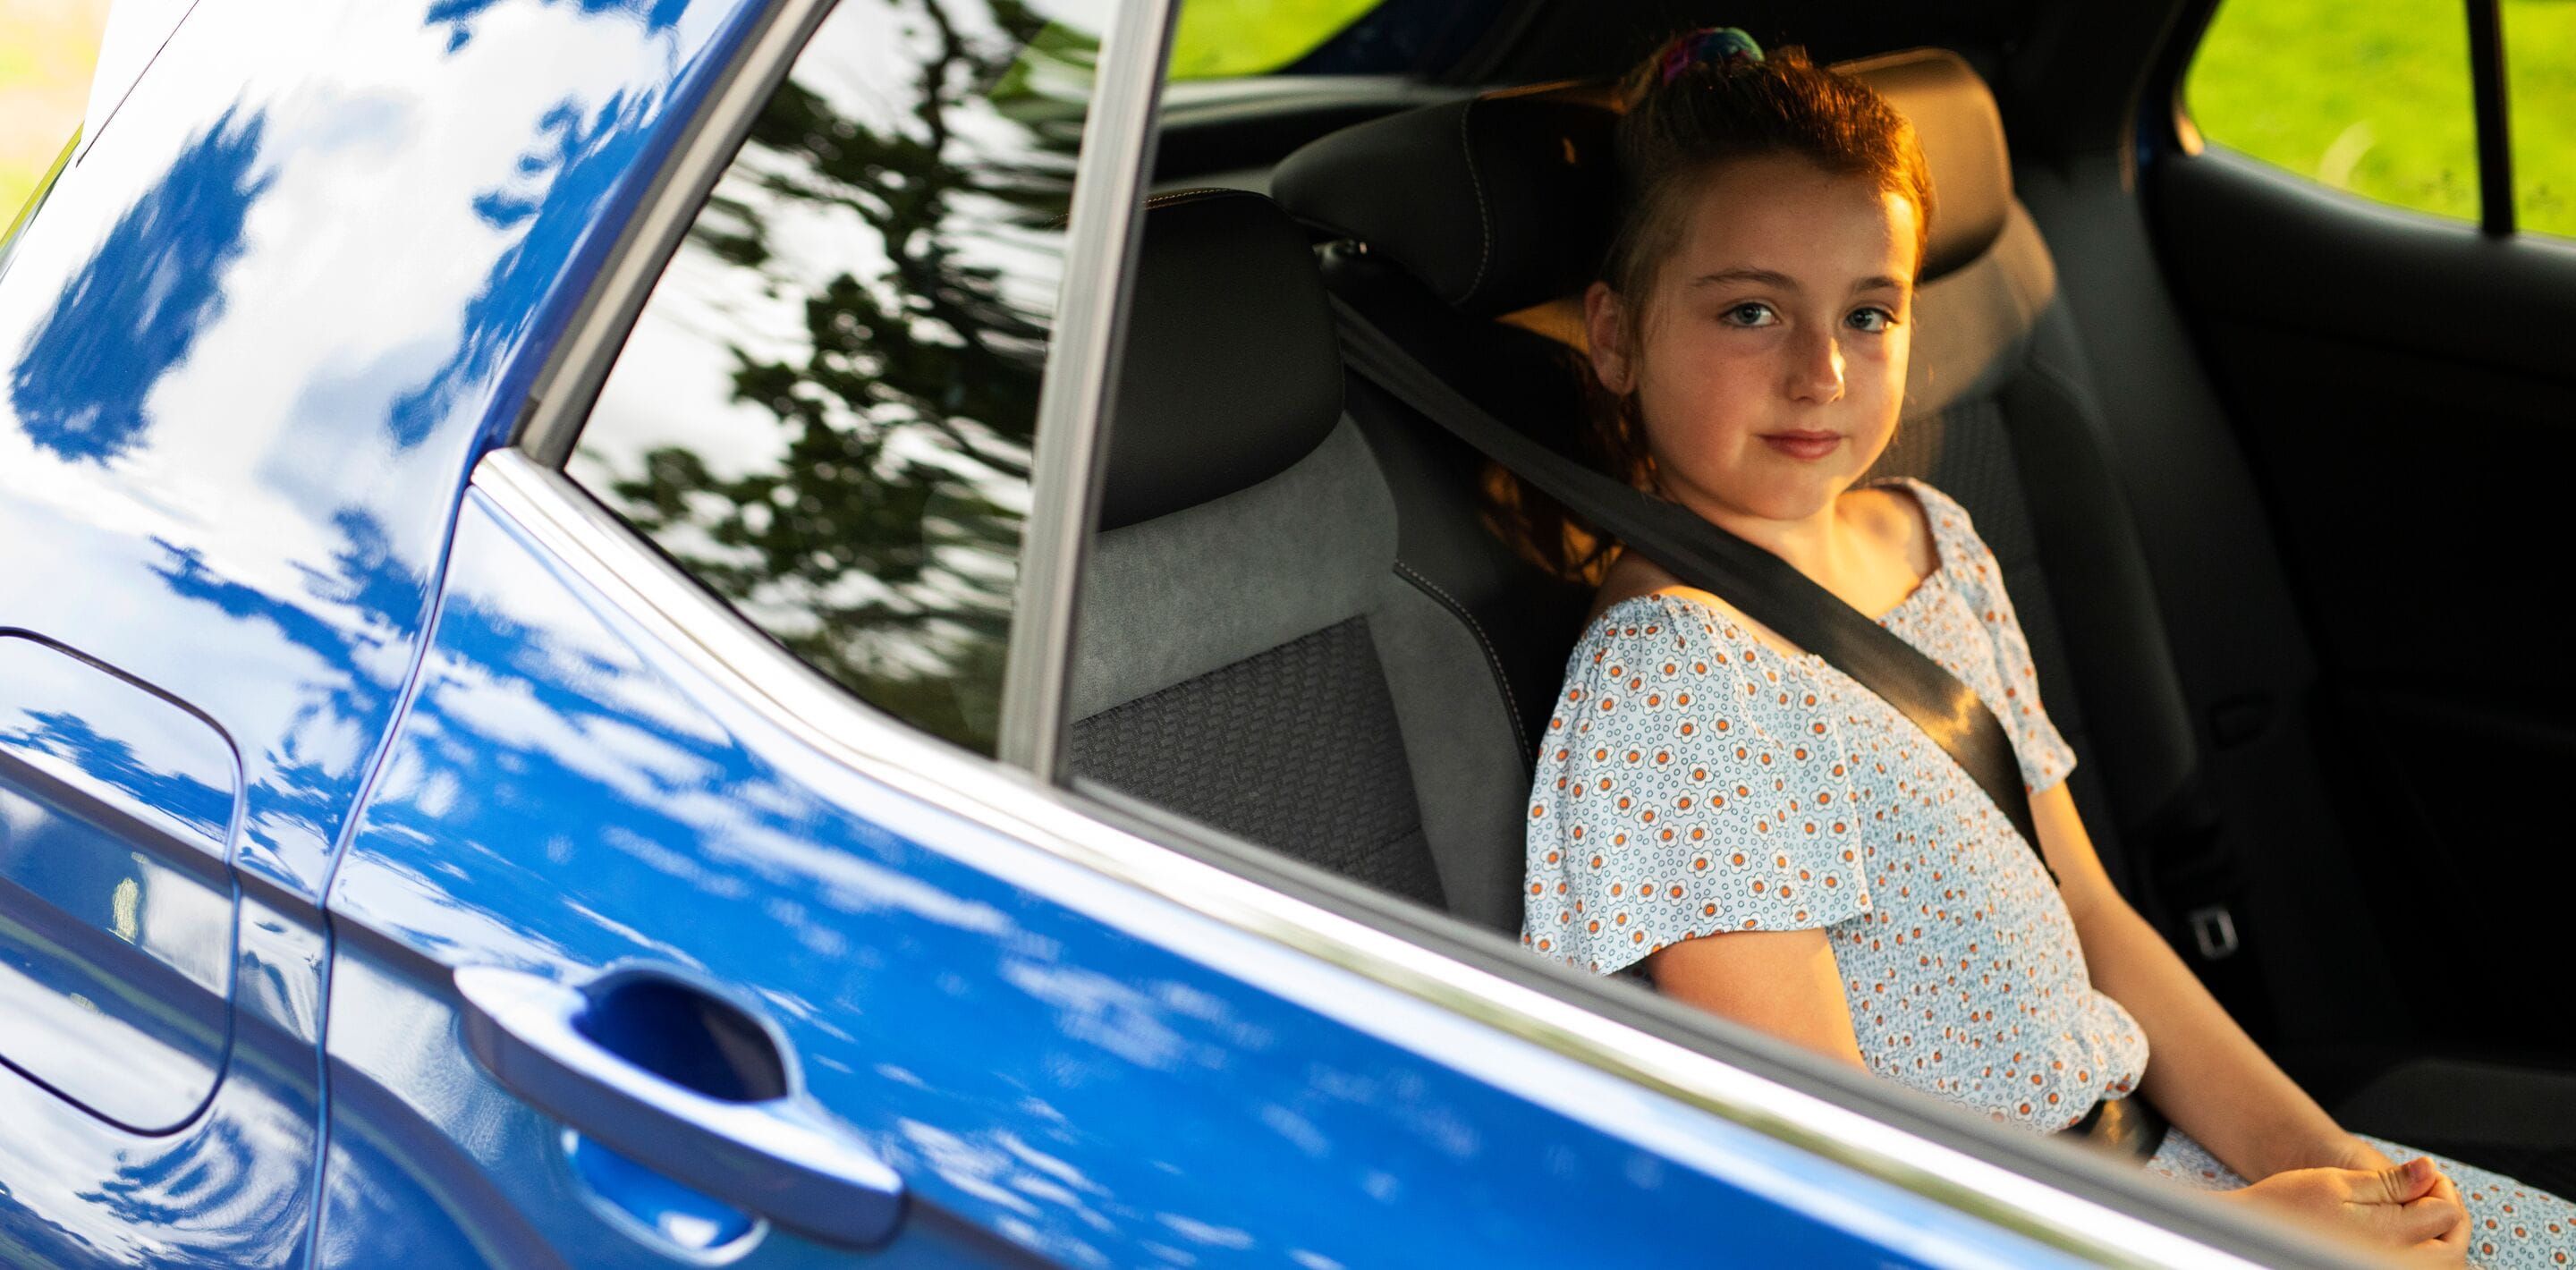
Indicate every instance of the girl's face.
{"type": "Point", "coordinates": [1768, 356]}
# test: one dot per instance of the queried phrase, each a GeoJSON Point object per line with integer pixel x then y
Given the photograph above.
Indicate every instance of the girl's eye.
{"type": "Point", "coordinates": [1871, 319]}
{"type": "Point", "coordinates": [1750, 313]}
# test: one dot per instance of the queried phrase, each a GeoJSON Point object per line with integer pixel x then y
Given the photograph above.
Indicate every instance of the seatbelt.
{"type": "Point", "coordinates": [1759, 584]}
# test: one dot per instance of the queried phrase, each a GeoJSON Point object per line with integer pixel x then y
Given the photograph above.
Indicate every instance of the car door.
{"type": "Point", "coordinates": [246, 347]}
{"type": "Point", "coordinates": [708, 910]}
{"type": "Point", "coordinates": [2378, 279]}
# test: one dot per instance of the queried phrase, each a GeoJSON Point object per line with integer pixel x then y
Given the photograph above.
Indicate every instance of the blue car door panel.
{"type": "Point", "coordinates": [249, 349]}
{"type": "Point", "coordinates": [117, 808]}
{"type": "Point", "coordinates": [1052, 1062]}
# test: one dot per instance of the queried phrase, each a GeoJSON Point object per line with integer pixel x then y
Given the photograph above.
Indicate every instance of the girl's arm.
{"type": "Point", "coordinates": [2203, 1072]}
{"type": "Point", "coordinates": [1784, 982]}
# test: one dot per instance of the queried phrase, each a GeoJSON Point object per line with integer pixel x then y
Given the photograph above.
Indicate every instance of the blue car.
{"type": "Point", "coordinates": [698, 632]}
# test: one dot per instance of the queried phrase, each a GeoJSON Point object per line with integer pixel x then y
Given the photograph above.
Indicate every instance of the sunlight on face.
{"type": "Point", "coordinates": [1769, 366]}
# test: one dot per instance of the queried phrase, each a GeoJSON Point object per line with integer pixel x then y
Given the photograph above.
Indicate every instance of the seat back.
{"type": "Point", "coordinates": [1251, 653]}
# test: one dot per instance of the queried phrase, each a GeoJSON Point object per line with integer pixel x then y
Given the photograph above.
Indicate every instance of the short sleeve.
{"type": "Point", "coordinates": [1691, 783]}
{"type": "Point", "coordinates": [2045, 756]}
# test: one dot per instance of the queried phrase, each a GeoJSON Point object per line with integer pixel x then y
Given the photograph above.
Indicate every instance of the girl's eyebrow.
{"type": "Point", "coordinates": [1768, 277]}
{"type": "Point", "coordinates": [1775, 278]}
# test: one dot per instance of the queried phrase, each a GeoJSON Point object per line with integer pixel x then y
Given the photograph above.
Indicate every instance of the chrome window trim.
{"type": "Point", "coordinates": [1081, 371]}
{"type": "Point", "coordinates": [570, 380]}
{"type": "Point", "coordinates": [714, 641]}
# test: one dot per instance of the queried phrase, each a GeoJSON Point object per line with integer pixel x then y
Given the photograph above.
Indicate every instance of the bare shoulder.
{"type": "Point", "coordinates": [1894, 519]}
{"type": "Point", "coordinates": [1630, 576]}
{"type": "Point", "coordinates": [1633, 575]}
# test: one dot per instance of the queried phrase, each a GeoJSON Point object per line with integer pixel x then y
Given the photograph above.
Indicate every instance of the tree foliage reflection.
{"type": "Point", "coordinates": [877, 530]}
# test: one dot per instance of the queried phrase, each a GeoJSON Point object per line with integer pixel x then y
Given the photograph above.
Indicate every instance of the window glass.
{"type": "Point", "coordinates": [1230, 39]}
{"type": "Point", "coordinates": [1218, 38]}
{"type": "Point", "coordinates": [825, 411]}
{"type": "Point", "coordinates": [2540, 110]}
{"type": "Point", "coordinates": [2371, 98]}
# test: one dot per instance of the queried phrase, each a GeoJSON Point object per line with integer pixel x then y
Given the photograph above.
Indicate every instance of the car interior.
{"type": "Point", "coordinates": [2236, 497]}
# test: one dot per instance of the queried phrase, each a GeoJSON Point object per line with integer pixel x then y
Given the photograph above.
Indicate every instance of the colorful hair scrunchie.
{"type": "Point", "coordinates": [1719, 44]}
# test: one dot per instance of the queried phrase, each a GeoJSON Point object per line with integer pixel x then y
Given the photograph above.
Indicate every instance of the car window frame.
{"type": "Point", "coordinates": [2172, 129]}
{"type": "Point", "coordinates": [2053, 1192]}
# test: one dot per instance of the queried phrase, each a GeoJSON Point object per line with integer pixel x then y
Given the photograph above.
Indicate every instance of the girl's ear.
{"type": "Point", "coordinates": [1605, 335]}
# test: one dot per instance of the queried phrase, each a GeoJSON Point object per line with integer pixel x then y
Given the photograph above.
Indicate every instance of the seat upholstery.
{"type": "Point", "coordinates": [1250, 653]}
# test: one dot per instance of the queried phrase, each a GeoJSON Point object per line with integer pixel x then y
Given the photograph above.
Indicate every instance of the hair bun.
{"type": "Point", "coordinates": [1717, 45]}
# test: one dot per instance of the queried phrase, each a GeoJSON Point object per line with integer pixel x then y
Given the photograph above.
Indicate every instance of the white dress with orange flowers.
{"type": "Point", "coordinates": [1695, 781]}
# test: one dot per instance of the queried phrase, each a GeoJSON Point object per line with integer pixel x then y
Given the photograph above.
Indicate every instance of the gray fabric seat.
{"type": "Point", "coordinates": [1250, 653]}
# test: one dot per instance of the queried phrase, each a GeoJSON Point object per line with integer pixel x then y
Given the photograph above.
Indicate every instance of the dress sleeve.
{"type": "Point", "coordinates": [2045, 756]}
{"type": "Point", "coordinates": [1690, 785]}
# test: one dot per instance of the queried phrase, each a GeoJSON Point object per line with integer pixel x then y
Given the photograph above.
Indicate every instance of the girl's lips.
{"type": "Point", "coordinates": [1806, 446]}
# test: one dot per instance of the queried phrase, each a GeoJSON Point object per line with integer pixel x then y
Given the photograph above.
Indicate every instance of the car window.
{"type": "Point", "coordinates": [2374, 98]}
{"type": "Point", "coordinates": [2540, 76]}
{"type": "Point", "coordinates": [1232, 39]}
{"type": "Point", "coordinates": [2379, 100]}
{"type": "Point", "coordinates": [1220, 38]}
{"type": "Point", "coordinates": [825, 411]}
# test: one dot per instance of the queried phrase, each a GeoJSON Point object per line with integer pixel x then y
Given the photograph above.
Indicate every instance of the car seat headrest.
{"type": "Point", "coordinates": [1231, 372]}
{"type": "Point", "coordinates": [1506, 200]}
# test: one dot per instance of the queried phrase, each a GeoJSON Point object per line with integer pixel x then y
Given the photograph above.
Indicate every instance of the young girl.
{"type": "Point", "coordinates": [1760, 836]}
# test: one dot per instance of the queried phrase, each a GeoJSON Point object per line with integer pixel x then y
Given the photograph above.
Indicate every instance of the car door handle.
{"type": "Point", "coordinates": [782, 1157]}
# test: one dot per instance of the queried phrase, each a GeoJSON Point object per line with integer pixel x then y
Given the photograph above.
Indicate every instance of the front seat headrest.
{"type": "Point", "coordinates": [1506, 200]}
{"type": "Point", "coordinates": [1231, 372]}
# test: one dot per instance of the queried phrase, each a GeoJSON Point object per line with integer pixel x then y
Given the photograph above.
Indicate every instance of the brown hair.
{"type": "Point", "coordinates": [1673, 132]}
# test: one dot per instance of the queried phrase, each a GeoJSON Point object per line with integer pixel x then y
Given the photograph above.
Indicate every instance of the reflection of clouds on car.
{"type": "Point", "coordinates": [135, 309]}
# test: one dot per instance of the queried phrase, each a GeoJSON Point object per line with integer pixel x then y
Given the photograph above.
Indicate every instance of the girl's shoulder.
{"type": "Point", "coordinates": [1641, 594]}
{"type": "Point", "coordinates": [1928, 510]}
{"type": "Point", "coordinates": [1959, 557]}
{"type": "Point", "coordinates": [1676, 631]}
{"type": "Point", "coordinates": [1680, 610]}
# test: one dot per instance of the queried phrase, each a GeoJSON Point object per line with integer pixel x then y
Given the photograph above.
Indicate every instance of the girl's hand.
{"type": "Point", "coordinates": [2353, 1153]}
{"type": "Point", "coordinates": [2408, 1208]}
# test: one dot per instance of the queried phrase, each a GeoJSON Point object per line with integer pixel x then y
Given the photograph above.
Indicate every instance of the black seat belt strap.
{"type": "Point", "coordinates": [1759, 584]}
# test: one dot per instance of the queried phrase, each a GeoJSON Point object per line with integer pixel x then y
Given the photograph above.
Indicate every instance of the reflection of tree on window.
{"type": "Point", "coordinates": [825, 414]}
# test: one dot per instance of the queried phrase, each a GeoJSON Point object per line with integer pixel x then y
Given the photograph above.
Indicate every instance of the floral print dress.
{"type": "Point", "coordinates": [1695, 781]}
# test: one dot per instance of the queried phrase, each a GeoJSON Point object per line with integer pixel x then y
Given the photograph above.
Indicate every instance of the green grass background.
{"type": "Point", "coordinates": [2374, 97]}
{"type": "Point", "coordinates": [1217, 38]}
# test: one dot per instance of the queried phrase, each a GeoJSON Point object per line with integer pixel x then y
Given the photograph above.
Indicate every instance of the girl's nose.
{"type": "Point", "coordinates": [1816, 368]}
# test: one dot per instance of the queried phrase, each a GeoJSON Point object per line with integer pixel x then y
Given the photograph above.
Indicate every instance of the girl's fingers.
{"type": "Point", "coordinates": [2406, 1182]}
{"type": "Point", "coordinates": [2425, 1219]}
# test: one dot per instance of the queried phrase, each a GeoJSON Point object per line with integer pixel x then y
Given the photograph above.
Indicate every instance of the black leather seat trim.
{"type": "Point", "coordinates": [1222, 384]}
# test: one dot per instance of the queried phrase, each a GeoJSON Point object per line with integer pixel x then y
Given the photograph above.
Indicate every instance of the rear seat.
{"type": "Point", "coordinates": [1253, 653]}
